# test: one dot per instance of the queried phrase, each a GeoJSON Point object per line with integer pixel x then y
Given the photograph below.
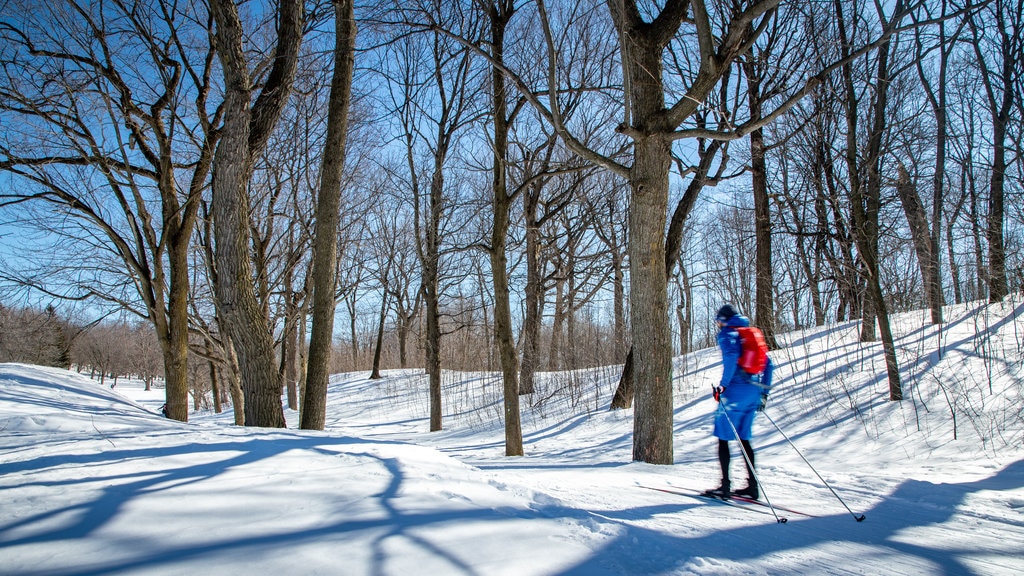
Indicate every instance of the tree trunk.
{"type": "Point", "coordinates": [764, 284]}
{"type": "Point", "coordinates": [353, 333]}
{"type": "Point", "coordinates": [981, 279]}
{"type": "Point", "coordinates": [919, 232]}
{"type": "Point", "coordinates": [998, 286]}
{"type": "Point", "coordinates": [532, 295]}
{"type": "Point", "coordinates": [289, 346]}
{"type": "Point", "coordinates": [619, 304]}
{"type": "Point", "coordinates": [932, 284]}
{"type": "Point", "coordinates": [215, 385]}
{"type": "Point", "coordinates": [244, 322]}
{"type": "Point", "coordinates": [247, 126]}
{"type": "Point", "coordinates": [431, 287]}
{"type": "Point", "coordinates": [866, 207]}
{"type": "Point", "coordinates": [1001, 100]}
{"type": "Point", "coordinates": [375, 372]}
{"type": "Point", "coordinates": [234, 381]}
{"type": "Point", "coordinates": [499, 14]}
{"type": "Point", "coordinates": [864, 229]}
{"type": "Point", "coordinates": [325, 237]}
{"type": "Point", "coordinates": [175, 340]}
{"type": "Point", "coordinates": [652, 340]}
{"type": "Point", "coordinates": [954, 268]}
{"type": "Point", "coordinates": [557, 323]}
{"type": "Point", "coordinates": [623, 397]}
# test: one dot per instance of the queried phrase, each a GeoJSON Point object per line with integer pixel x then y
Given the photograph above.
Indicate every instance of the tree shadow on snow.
{"type": "Point", "coordinates": [884, 533]}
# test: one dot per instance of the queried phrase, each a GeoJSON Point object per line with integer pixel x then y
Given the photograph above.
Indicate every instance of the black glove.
{"type": "Point", "coordinates": [716, 391]}
{"type": "Point", "coordinates": [764, 402]}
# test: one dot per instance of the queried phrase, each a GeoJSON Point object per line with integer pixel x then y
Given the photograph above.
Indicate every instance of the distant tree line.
{"type": "Point", "coordinates": [100, 350]}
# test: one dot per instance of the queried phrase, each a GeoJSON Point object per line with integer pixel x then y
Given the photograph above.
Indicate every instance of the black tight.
{"type": "Point", "coordinates": [724, 458]}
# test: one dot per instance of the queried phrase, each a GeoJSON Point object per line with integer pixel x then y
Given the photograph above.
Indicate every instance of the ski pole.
{"type": "Point", "coordinates": [750, 465]}
{"type": "Point", "coordinates": [858, 518]}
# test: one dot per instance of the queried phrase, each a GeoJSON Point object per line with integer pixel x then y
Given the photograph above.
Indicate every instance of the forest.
{"type": "Point", "coordinates": [253, 195]}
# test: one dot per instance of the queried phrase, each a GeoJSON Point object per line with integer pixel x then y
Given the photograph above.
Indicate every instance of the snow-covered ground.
{"type": "Point", "coordinates": [95, 481]}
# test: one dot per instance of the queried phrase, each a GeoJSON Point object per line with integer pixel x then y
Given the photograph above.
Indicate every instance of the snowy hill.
{"type": "Point", "coordinates": [95, 481]}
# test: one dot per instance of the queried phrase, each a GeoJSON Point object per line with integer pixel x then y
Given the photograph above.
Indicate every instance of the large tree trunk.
{"type": "Point", "coordinates": [244, 321]}
{"type": "Point", "coordinates": [652, 340]}
{"type": "Point", "coordinates": [174, 334]}
{"type": "Point", "coordinates": [325, 238]}
{"type": "Point", "coordinates": [247, 126]}
{"type": "Point", "coordinates": [623, 397]}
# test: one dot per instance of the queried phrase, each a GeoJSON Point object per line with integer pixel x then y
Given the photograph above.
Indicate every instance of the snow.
{"type": "Point", "coordinates": [95, 481]}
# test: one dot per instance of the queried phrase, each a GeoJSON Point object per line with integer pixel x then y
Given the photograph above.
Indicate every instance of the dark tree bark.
{"type": "Point", "coordinates": [532, 296]}
{"type": "Point", "coordinates": [764, 283]}
{"type": "Point", "coordinates": [289, 349]}
{"type": "Point", "coordinates": [1001, 91]}
{"type": "Point", "coordinates": [499, 13]}
{"type": "Point", "coordinates": [865, 200]}
{"type": "Point", "coordinates": [920, 233]}
{"type": "Point", "coordinates": [328, 216]}
{"type": "Point", "coordinates": [375, 371]}
{"type": "Point", "coordinates": [246, 129]}
{"type": "Point", "coordinates": [937, 98]}
{"type": "Point", "coordinates": [623, 397]}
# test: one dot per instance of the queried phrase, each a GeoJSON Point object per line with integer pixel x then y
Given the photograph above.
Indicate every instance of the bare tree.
{"type": "Point", "coordinates": [498, 14]}
{"type": "Point", "coordinates": [68, 74]}
{"type": "Point", "coordinates": [937, 93]}
{"type": "Point", "coordinates": [866, 184]}
{"type": "Point", "coordinates": [384, 242]}
{"type": "Point", "coordinates": [327, 219]}
{"type": "Point", "coordinates": [247, 126]}
{"type": "Point", "coordinates": [434, 98]}
{"type": "Point", "coordinates": [771, 63]}
{"type": "Point", "coordinates": [998, 40]}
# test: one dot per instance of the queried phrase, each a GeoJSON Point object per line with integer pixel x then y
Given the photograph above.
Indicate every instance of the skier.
{"type": "Point", "coordinates": [740, 395]}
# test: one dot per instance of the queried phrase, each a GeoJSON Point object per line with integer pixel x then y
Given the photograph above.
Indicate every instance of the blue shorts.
{"type": "Point", "coordinates": [739, 408]}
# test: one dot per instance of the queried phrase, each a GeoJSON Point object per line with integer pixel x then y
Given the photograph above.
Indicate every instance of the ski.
{"type": "Point", "coordinates": [776, 506]}
{"type": "Point", "coordinates": [708, 498]}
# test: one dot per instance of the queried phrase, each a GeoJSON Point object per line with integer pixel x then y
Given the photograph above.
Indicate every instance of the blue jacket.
{"type": "Point", "coordinates": [740, 386]}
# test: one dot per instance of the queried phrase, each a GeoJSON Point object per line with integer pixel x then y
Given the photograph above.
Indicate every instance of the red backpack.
{"type": "Point", "coordinates": [754, 355]}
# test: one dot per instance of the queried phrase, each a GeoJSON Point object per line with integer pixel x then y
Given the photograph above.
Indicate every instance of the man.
{"type": "Point", "coordinates": [740, 395]}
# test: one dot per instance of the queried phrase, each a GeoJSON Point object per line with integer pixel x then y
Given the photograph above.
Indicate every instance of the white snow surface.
{"type": "Point", "coordinates": [94, 480]}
